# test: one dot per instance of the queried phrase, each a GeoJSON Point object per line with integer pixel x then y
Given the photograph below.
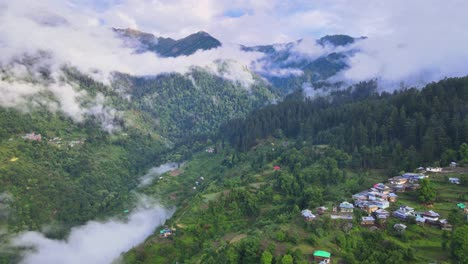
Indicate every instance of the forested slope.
{"type": "Point", "coordinates": [403, 129]}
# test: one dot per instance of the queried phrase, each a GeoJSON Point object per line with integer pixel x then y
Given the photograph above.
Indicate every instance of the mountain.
{"type": "Point", "coordinates": [291, 65]}
{"type": "Point", "coordinates": [288, 66]}
{"type": "Point", "coordinates": [168, 47]}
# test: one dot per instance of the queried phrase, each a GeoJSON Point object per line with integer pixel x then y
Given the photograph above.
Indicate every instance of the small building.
{"type": "Point", "coordinates": [420, 220]}
{"type": "Point", "coordinates": [454, 180]}
{"type": "Point", "coordinates": [382, 215]}
{"type": "Point", "coordinates": [461, 206]}
{"type": "Point", "coordinates": [404, 212]}
{"type": "Point", "coordinates": [321, 210]}
{"type": "Point", "coordinates": [276, 168]}
{"type": "Point", "coordinates": [322, 256]}
{"type": "Point", "coordinates": [434, 169]}
{"type": "Point", "coordinates": [348, 217]}
{"type": "Point", "coordinates": [360, 196]}
{"type": "Point", "coordinates": [166, 232]}
{"type": "Point", "coordinates": [430, 216]}
{"type": "Point", "coordinates": [370, 208]}
{"type": "Point", "coordinates": [400, 227]}
{"type": "Point", "coordinates": [398, 180]}
{"type": "Point", "coordinates": [444, 225]}
{"type": "Point", "coordinates": [392, 197]}
{"type": "Point", "coordinates": [412, 177]}
{"type": "Point", "coordinates": [346, 207]}
{"type": "Point", "coordinates": [399, 188]}
{"type": "Point", "coordinates": [307, 214]}
{"type": "Point", "coordinates": [367, 220]}
{"type": "Point", "coordinates": [382, 204]}
{"type": "Point", "coordinates": [453, 164]}
{"type": "Point", "coordinates": [382, 188]}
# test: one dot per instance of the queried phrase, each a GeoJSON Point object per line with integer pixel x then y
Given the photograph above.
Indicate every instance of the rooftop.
{"type": "Point", "coordinates": [322, 254]}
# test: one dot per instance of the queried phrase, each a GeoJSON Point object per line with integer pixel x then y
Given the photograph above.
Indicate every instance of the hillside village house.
{"type": "Point", "coordinates": [444, 225]}
{"type": "Point", "coordinates": [412, 177]}
{"type": "Point", "coordinates": [321, 210]}
{"type": "Point", "coordinates": [430, 216]}
{"type": "Point", "coordinates": [382, 215]}
{"type": "Point", "coordinates": [400, 227]}
{"type": "Point", "coordinates": [398, 180]}
{"type": "Point", "coordinates": [392, 197]}
{"type": "Point", "coordinates": [346, 207]}
{"type": "Point", "coordinates": [454, 180]}
{"type": "Point", "coordinates": [367, 220]}
{"type": "Point", "coordinates": [420, 220]}
{"type": "Point", "coordinates": [404, 212]}
{"type": "Point", "coordinates": [321, 256]}
{"type": "Point", "coordinates": [434, 169]}
{"type": "Point", "coordinates": [307, 214]}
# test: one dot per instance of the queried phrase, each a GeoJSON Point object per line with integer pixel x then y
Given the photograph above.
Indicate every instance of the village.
{"type": "Point", "coordinates": [55, 141]}
{"type": "Point", "coordinates": [375, 203]}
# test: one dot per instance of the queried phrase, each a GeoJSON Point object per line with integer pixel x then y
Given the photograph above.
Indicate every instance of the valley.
{"type": "Point", "coordinates": [278, 132]}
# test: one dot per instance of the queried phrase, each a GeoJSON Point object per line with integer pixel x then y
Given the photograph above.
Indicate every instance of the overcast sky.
{"type": "Point", "coordinates": [243, 21]}
{"type": "Point", "coordinates": [413, 41]}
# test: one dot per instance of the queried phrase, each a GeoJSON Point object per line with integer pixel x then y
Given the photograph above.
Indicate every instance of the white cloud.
{"type": "Point", "coordinates": [95, 242]}
{"type": "Point", "coordinates": [148, 178]}
{"type": "Point", "coordinates": [425, 42]}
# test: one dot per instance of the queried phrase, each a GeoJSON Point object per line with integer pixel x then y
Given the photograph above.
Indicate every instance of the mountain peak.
{"type": "Point", "coordinates": [168, 47]}
{"type": "Point", "coordinates": [336, 40]}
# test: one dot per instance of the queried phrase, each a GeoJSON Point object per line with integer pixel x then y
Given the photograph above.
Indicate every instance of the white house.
{"type": "Point", "coordinates": [430, 215]}
{"type": "Point", "coordinates": [404, 212]}
{"type": "Point", "coordinates": [454, 180]}
{"type": "Point", "coordinates": [308, 215]}
{"type": "Point", "coordinates": [434, 169]}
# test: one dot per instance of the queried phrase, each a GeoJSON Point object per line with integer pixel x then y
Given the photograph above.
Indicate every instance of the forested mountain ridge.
{"type": "Point", "coordinates": [408, 127]}
{"type": "Point", "coordinates": [291, 65]}
{"type": "Point", "coordinates": [287, 66]}
{"type": "Point", "coordinates": [194, 103]}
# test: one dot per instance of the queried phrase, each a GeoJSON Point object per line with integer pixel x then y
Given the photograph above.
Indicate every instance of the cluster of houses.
{"type": "Point", "coordinates": [376, 201]}
{"type": "Point", "coordinates": [428, 217]}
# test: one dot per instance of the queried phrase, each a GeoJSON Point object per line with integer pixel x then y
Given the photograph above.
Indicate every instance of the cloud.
{"type": "Point", "coordinates": [423, 42]}
{"type": "Point", "coordinates": [40, 38]}
{"type": "Point", "coordinates": [95, 242]}
{"type": "Point", "coordinates": [154, 172]}
{"type": "Point", "coordinates": [93, 48]}
{"type": "Point", "coordinates": [415, 42]}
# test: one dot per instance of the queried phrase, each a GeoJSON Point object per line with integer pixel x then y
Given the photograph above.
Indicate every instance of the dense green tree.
{"type": "Point", "coordinates": [287, 259]}
{"type": "Point", "coordinates": [459, 244]}
{"type": "Point", "coordinates": [426, 191]}
{"type": "Point", "coordinates": [267, 258]}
